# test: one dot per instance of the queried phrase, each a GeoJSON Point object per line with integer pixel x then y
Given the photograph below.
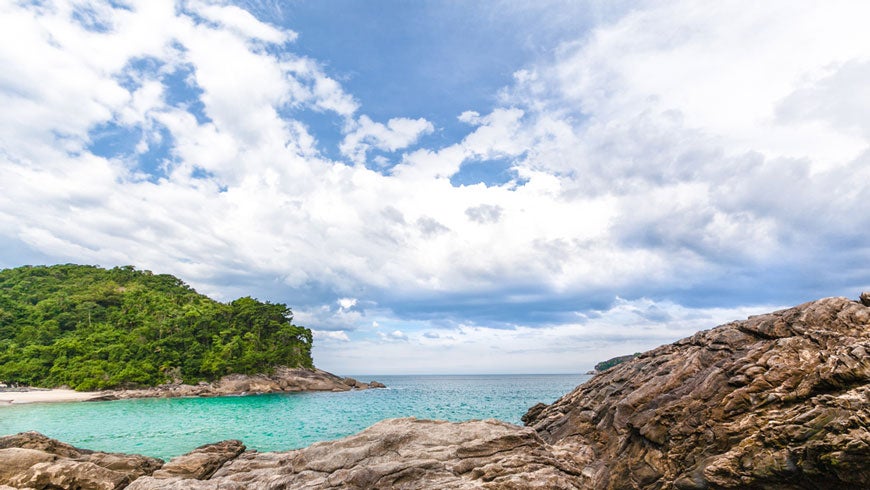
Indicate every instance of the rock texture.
{"type": "Point", "coordinates": [283, 380]}
{"type": "Point", "coordinates": [401, 453]}
{"type": "Point", "coordinates": [778, 401]}
{"type": "Point", "coordinates": [32, 460]}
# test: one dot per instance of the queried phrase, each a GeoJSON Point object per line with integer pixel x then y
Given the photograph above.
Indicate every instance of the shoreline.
{"type": "Point", "coordinates": [284, 380]}
{"type": "Point", "coordinates": [40, 395]}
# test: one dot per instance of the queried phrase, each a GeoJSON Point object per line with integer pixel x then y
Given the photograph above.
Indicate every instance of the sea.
{"type": "Point", "coordinates": [167, 427]}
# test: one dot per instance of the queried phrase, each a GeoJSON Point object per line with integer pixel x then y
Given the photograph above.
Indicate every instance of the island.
{"type": "Point", "coordinates": [776, 401]}
{"type": "Point", "coordinates": [122, 333]}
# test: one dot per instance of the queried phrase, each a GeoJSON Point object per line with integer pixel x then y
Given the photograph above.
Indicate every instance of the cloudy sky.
{"type": "Point", "coordinates": [448, 186]}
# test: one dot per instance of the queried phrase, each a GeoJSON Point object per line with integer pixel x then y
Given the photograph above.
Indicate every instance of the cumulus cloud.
{"type": "Point", "coordinates": [672, 153]}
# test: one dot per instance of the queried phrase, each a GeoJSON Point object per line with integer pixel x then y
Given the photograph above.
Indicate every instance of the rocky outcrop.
{"type": "Point", "coordinates": [401, 453]}
{"type": "Point", "coordinates": [283, 380]}
{"type": "Point", "coordinates": [32, 460]}
{"type": "Point", "coordinates": [776, 401]}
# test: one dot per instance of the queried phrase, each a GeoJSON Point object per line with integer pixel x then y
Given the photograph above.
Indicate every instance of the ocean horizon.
{"type": "Point", "coordinates": [168, 427]}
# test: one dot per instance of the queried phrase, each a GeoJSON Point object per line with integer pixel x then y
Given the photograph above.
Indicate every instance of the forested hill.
{"type": "Point", "coordinates": [93, 328]}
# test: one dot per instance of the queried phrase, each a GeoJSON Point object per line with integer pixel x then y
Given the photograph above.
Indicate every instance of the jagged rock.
{"type": "Point", "coordinates": [202, 462]}
{"type": "Point", "coordinates": [32, 460]}
{"type": "Point", "coordinates": [776, 401]}
{"type": "Point", "coordinates": [865, 298]}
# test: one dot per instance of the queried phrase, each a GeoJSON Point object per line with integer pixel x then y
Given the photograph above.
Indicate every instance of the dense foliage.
{"type": "Point", "coordinates": [605, 365]}
{"type": "Point", "coordinates": [93, 328]}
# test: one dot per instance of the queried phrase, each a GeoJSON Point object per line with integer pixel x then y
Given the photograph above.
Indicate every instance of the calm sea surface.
{"type": "Point", "coordinates": [275, 422]}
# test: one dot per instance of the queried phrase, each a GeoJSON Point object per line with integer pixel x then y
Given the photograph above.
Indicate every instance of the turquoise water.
{"type": "Point", "coordinates": [171, 426]}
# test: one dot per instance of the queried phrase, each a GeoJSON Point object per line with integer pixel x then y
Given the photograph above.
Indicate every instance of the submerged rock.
{"type": "Point", "coordinates": [778, 401]}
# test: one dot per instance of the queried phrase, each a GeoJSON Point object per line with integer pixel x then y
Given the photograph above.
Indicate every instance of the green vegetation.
{"type": "Point", "coordinates": [605, 365]}
{"type": "Point", "coordinates": [91, 328]}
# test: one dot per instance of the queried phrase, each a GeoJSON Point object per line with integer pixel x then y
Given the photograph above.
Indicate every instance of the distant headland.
{"type": "Point", "coordinates": [139, 334]}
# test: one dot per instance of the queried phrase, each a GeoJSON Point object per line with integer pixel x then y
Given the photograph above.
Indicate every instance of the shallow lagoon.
{"type": "Point", "coordinates": [168, 427]}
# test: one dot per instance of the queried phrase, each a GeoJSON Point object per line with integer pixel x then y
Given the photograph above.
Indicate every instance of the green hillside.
{"type": "Point", "coordinates": [92, 328]}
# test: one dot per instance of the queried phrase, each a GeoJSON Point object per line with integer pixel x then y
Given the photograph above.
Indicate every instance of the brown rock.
{"type": "Point", "coordinates": [35, 440]}
{"type": "Point", "coordinates": [202, 462]}
{"type": "Point", "coordinates": [865, 298]}
{"type": "Point", "coordinates": [776, 401]}
{"type": "Point", "coordinates": [32, 460]}
{"type": "Point", "coordinates": [66, 473]}
{"type": "Point", "coordinates": [16, 460]}
{"type": "Point", "coordinates": [375, 384]}
{"type": "Point", "coordinates": [411, 454]}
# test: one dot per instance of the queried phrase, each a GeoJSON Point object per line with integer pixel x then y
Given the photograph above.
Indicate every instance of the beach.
{"type": "Point", "coordinates": [43, 396]}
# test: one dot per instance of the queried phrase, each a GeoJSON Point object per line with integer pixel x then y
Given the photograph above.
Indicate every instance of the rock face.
{"type": "Point", "coordinates": [282, 381]}
{"type": "Point", "coordinates": [776, 401]}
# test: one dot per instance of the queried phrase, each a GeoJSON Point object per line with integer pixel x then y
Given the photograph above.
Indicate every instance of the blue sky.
{"type": "Point", "coordinates": [448, 187]}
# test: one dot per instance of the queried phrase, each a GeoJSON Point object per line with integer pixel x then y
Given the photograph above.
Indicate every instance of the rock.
{"type": "Point", "coordinates": [403, 453]}
{"type": "Point", "coordinates": [282, 380]}
{"type": "Point", "coordinates": [16, 460]}
{"type": "Point", "coordinates": [776, 401]}
{"type": "Point", "coordinates": [533, 412]}
{"type": "Point", "coordinates": [375, 384]}
{"type": "Point", "coordinates": [202, 462]}
{"type": "Point", "coordinates": [32, 460]}
{"type": "Point", "coordinates": [865, 298]}
{"type": "Point", "coordinates": [66, 473]}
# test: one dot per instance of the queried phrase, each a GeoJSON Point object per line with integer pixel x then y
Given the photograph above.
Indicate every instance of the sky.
{"type": "Point", "coordinates": [448, 186]}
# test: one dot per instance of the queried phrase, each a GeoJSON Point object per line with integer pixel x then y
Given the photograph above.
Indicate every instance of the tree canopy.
{"type": "Point", "coordinates": [92, 328]}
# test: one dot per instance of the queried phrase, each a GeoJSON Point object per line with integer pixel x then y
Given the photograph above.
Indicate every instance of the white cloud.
{"type": "Point", "coordinates": [572, 347]}
{"type": "Point", "coordinates": [397, 134]}
{"type": "Point", "coordinates": [674, 148]}
{"type": "Point", "coordinates": [242, 22]}
{"type": "Point", "coordinates": [331, 335]}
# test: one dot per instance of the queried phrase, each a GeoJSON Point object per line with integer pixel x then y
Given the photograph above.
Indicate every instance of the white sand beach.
{"type": "Point", "coordinates": [41, 396]}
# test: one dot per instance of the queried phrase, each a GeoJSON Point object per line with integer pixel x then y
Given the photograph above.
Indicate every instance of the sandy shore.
{"type": "Point", "coordinates": [39, 396]}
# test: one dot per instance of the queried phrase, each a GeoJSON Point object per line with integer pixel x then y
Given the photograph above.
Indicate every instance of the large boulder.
{"type": "Point", "coordinates": [32, 460]}
{"type": "Point", "coordinates": [776, 401]}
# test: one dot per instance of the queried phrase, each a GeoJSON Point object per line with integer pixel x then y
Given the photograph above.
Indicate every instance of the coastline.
{"type": "Point", "coordinates": [284, 380]}
{"type": "Point", "coordinates": [19, 397]}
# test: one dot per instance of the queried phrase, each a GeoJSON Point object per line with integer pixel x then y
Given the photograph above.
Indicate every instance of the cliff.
{"type": "Point", "coordinates": [778, 401]}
